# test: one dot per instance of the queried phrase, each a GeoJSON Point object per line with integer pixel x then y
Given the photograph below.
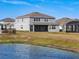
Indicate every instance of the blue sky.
{"type": "Point", "coordinates": [56, 8]}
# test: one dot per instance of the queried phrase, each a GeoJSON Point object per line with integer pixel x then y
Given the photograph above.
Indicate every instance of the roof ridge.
{"type": "Point", "coordinates": [35, 14]}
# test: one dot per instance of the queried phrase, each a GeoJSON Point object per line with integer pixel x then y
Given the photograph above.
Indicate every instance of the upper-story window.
{"type": "Point", "coordinates": [46, 20]}
{"type": "Point", "coordinates": [21, 26]}
{"type": "Point", "coordinates": [36, 19]}
{"type": "Point", "coordinates": [22, 19]}
{"type": "Point", "coordinates": [17, 20]}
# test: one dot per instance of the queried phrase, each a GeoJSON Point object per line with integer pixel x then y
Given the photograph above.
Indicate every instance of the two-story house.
{"type": "Point", "coordinates": [36, 22]}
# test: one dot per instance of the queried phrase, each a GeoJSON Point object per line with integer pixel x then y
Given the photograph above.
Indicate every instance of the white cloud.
{"type": "Point", "coordinates": [20, 2]}
{"type": "Point", "coordinates": [15, 2]}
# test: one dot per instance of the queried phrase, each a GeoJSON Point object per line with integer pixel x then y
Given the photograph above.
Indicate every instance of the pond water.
{"type": "Point", "coordinates": [24, 51]}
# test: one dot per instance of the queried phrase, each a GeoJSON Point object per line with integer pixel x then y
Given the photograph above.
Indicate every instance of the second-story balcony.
{"type": "Point", "coordinates": [43, 23]}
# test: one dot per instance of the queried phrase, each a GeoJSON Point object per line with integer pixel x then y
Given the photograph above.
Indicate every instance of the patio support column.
{"type": "Point", "coordinates": [0, 29]}
{"type": "Point", "coordinates": [73, 28]}
{"type": "Point", "coordinates": [65, 28]}
{"type": "Point", "coordinates": [5, 26]}
{"type": "Point", "coordinates": [33, 28]}
{"type": "Point", "coordinates": [77, 28]}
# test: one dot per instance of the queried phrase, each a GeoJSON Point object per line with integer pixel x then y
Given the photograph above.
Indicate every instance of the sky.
{"type": "Point", "coordinates": [55, 8]}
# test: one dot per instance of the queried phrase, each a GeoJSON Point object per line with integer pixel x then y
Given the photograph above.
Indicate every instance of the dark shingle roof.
{"type": "Point", "coordinates": [35, 14]}
{"type": "Point", "coordinates": [8, 20]}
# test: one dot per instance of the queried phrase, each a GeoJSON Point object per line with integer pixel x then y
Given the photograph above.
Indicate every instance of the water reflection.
{"type": "Point", "coordinates": [23, 51]}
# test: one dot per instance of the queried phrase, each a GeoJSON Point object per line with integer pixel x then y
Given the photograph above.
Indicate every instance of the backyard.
{"type": "Point", "coordinates": [61, 40]}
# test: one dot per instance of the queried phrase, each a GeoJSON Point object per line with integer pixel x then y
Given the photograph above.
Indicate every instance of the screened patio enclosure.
{"type": "Point", "coordinates": [4, 28]}
{"type": "Point", "coordinates": [72, 26]}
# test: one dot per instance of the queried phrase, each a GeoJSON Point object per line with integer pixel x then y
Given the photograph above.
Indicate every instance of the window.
{"type": "Point", "coordinates": [22, 19]}
{"type": "Point", "coordinates": [17, 20]}
{"type": "Point", "coordinates": [49, 27]}
{"type": "Point", "coordinates": [36, 19]}
{"type": "Point", "coordinates": [53, 27]}
{"type": "Point", "coordinates": [21, 26]}
{"type": "Point", "coordinates": [46, 20]}
{"type": "Point", "coordinates": [31, 27]}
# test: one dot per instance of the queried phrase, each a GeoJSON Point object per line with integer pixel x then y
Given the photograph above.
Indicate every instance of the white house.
{"type": "Point", "coordinates": [5, 24]}
{"type": "Point", "coordinates": [36, 22]}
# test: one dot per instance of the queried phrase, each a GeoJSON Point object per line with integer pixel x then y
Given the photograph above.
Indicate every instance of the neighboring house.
{"type": "Point", "coordinates": [7, 23]}
{"type": "Point", "coordinates": [68, 25]}
{"type": "Point", "coordinates": [72, 26]}
{"type": "Point", "coordinates": [62, 22]}
{"type": "Point", "coordinates": [36, 22]}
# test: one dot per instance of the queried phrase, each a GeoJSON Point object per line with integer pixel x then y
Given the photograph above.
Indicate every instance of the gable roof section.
{"type": "Point", "coordinates": [8, 20]}
{"type": "Point", "coordinates": [35, 14]}
{"type": "Point", "coordinates": [64, 20]}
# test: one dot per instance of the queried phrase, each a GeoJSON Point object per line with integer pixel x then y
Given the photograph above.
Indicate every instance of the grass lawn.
{"type": "Point", "coordinates": [69, 41]}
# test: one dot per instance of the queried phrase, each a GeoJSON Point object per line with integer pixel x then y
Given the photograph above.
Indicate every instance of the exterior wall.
{"type": "Point", "coordinates": [1, 22]}
{"type": "Point", "coordinates": [60, 27]}
{"type": "Point", "coordinates": [9, 24]}
{"type": "Point", "coordinates": [26, 22]}
{"type": "Point", "coordinates": [53, 30]}
{"type": "Point", "coordinates": [43, 22]}
{"type": "Point", "coordinates": [0, 30]}
{"type": "Point", "coordinates": [64, 28]}
{"type": "Point", "coordinates": [22, 24]}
